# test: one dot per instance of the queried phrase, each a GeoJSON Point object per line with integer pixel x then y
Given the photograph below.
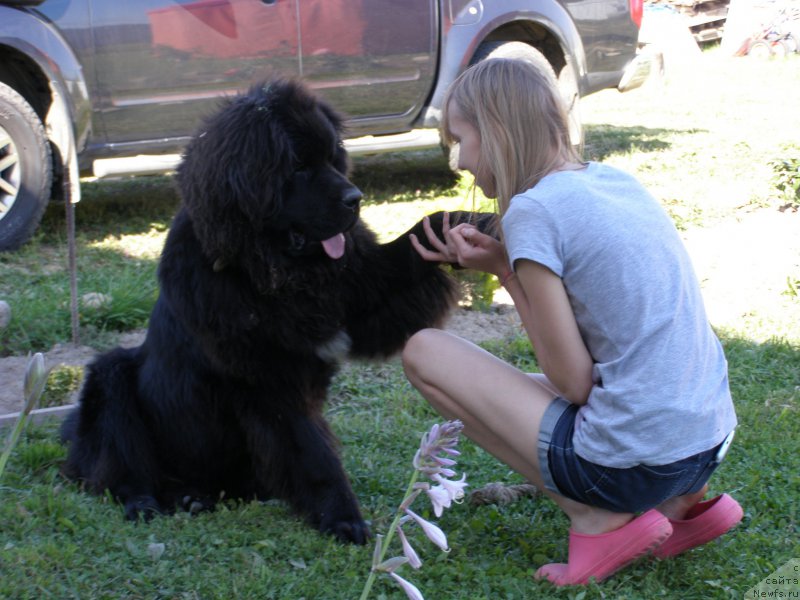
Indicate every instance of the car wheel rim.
{"type": "Point", "coordinates": [9, 173]}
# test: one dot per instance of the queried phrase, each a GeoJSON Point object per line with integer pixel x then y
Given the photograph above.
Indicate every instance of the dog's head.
{"type": "Point", "coordinates": [267, 176]}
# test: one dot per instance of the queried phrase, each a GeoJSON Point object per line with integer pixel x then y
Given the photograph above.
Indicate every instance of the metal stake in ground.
{"type": "Point", "coordinates": [72, 253]}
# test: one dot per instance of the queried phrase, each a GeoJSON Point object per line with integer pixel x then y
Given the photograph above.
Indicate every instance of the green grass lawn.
{"type": "Point", "coordinates": [702, 140]}
{"type": "Point", "coordinates": [57, 542]}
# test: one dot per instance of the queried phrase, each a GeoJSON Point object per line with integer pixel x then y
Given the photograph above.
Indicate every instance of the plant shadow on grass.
{"type": "Point", "coordinates": [398, 177]}
{"type": "Point", "coordinates": [603, 141]}
{"type": "Point", "coordinates": [115, 207]}
{"type": "Point", "coordinates": [134, 205]}
{"type": "Point", "coordinates": [125, 287]}
{"type": "Point", "coordinates": [137, 204]}
{"type": "Point", "coordinates": [121, 270]}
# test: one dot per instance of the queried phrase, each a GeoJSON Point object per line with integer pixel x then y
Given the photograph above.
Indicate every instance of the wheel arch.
{"type": "Point", "coordinates": [545, 39]}
{"type": "Point", "coordinates": [53, 83]}
{"type": "Point", "coordinates": [548, 27]}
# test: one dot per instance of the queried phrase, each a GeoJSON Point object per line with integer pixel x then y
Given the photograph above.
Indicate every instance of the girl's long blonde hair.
{"type": "Point", "coordinates": [517, 109]}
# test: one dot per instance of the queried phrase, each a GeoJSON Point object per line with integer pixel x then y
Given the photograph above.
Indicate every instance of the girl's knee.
{"type": "Point", "coordinates": [416, 349]}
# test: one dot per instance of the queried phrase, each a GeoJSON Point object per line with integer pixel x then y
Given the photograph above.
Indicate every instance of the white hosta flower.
{"type": "Point", "coordinates": [455, 489]}
{"type": "Point", "coordinates": [433, 532]}
{"type": "Point", "coordinates": [440, 438]}
{"type": "Point", "coordinates": [435, 456]}
{"type": "Point", "coordinates": [445, 462]}
{"type": "Point", "coordinates": [33, 388]}
{"type": "Point", "coordinates": [409, 588]}
{"type": "Point", "coordinates": [440, 499]}
{"type": "Point", "coordinates": [36, 374]}
{"type": "Point", "coordinates": [391, 565]}
{"type": "Point", "coordinates": [408, 551]}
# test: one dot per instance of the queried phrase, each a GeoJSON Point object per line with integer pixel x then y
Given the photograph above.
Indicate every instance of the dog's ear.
{"type": "Point", "coordinates": [232, 173]}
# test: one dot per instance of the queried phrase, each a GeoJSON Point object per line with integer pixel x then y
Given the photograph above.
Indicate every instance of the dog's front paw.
{"type": "Point", "coordinates": [485, 222]}
{"type": "Point", "coordinates": [142, 507]}
{"type": "Point", "coordinates": [197, 504]}
{"type": "Point", "coordinates": [349, 530]}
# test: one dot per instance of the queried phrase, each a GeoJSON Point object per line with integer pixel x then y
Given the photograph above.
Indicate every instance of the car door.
{"type": "Point", "coordinates": [374, 60]}
{"type": "Point", "coordinates": [161, 65]}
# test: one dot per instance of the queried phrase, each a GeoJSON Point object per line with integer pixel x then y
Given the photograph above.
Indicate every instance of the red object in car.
{"type": "Point", "coordinates": [637, 8]}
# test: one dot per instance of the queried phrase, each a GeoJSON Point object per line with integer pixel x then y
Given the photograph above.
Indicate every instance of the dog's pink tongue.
{"type": "Point", "coordinates": [334, 247]}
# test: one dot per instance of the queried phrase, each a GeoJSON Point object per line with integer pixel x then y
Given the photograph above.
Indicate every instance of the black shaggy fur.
{"type": "Point", "coordinates": [225, 396]}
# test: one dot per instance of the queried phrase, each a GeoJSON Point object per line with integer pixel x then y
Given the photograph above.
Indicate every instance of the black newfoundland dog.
{"type": "Point", "coordinates": [268, 279]}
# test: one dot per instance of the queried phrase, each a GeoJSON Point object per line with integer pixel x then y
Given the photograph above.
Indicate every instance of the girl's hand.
{"type": "Point", "coordinates": [465, 245]}
{"type": "Point", "coordinates": [443, 251]}
{"type": "Point", "coordinates": [477, 250]}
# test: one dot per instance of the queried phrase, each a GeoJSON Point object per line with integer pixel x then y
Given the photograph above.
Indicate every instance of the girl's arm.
{"type": "Point", "coordinates": [542, 303]}
{"type": "Point", "coordinates": [539, 297]}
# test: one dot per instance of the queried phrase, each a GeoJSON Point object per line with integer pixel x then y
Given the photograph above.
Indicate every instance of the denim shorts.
{"type": "Point", "coordinates": [631, 490]}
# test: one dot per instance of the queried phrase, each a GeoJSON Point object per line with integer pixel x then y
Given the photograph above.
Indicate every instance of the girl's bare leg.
{"type": "Point", "coordinates": [676, 507]}
{"type": "Point", "coordinates": [501, 408]}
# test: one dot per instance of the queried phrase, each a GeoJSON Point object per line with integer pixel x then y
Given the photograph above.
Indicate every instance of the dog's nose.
{"type": "Point", "coordinates": [352, 197]}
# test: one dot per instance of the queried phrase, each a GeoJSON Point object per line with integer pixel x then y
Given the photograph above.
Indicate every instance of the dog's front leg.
{"type": "Point", "coordinates": [295, 459]}
{"type": "Point", "coordinates": [393, 292]}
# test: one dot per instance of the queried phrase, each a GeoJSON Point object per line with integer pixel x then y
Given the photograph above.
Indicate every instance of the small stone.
{"type": "Point", "coordinates": [156, 550]}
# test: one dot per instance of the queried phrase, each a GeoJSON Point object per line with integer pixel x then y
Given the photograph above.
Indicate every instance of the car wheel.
{"type": "Point", "coordinates": [567, 79]}
{"type": "Point", "coordinates": [26, 169]}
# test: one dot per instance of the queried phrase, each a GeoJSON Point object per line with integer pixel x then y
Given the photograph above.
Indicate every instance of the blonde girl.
{"type": "Point", "coordinates": [632, 411]}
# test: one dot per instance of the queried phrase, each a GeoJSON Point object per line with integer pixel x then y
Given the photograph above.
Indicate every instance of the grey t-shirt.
{"type": "Point", "coordinates": [660, 376]}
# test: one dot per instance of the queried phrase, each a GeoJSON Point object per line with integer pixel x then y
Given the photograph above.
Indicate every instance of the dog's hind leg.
{"type": "Point", "coordinates": [109, 443]}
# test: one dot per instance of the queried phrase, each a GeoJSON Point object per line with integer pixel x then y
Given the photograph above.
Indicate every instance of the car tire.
{"type": "Point", "coordinates": [26, 169]}
{"type": "Point", "coordinates": [567, 79]}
